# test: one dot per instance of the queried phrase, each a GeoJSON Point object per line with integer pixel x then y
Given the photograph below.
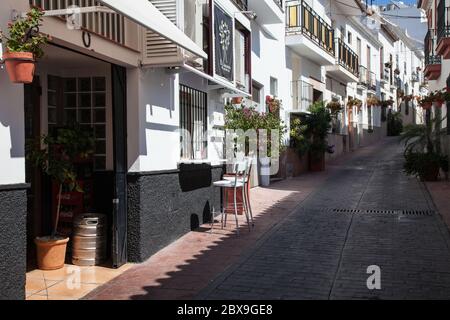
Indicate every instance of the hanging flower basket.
{"type": "Point", "coordinates": [23, 46]}
{"type": "Point", "coordinates": [334, 106]}
{"type": "Point", "coordinates": [372, 101]}
{"type": "Point", "coordinates": [20, 66]}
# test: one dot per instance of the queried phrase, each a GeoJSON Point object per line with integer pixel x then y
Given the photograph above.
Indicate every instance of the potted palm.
{"type": "Point", "coordinates": [23, 46]}
{"type": "Point", "coordinates": [423, 156]}
{"type": "Point", "coordinates": [57, 161]}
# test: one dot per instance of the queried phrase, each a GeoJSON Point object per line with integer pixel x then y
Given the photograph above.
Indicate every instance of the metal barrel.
{"type": "Point", "coordinates": [89, 239]}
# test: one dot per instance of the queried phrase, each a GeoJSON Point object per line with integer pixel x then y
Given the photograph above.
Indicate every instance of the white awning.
{"type": "Point", "coordinates": [143, 12]}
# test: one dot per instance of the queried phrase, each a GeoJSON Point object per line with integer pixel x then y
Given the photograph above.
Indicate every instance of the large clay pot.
{"type": "Point", "coordinates": [317, 162]}
{"type": "Point", "coordinates": [51, 253]}
{"type": "Point", "coordinates": [20, 66]}
{"type": "Point", "coordinates": [431, 174]}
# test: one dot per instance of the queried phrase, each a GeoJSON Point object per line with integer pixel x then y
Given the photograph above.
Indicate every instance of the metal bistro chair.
{"type": "Point", "coordinates": [240, 176]}
{"type": "Point", "coordinates": [246, 181]}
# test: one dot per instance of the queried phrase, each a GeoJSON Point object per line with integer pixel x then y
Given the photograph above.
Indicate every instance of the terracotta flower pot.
{"type": "Point", "coordinates": [20, 66]}
{"type": "Point", "coordinates": [237, 100]}
{"type": "Point", "coordinates": [317, 162]}
{"type": "Point", "coordinates": [431, 174]}
{"type": "Point", "coordinates": [51, 253]}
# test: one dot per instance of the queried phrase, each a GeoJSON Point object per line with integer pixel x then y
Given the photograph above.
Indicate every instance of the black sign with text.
{"type": "Point", "coordinates": [223, 42]}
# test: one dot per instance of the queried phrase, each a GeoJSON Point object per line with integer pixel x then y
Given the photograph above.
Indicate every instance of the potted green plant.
{"type": "Point", "coordinates": [57, 161]}
{"type": "Point", "coordinates": [423, 157]}
{"type": "Point", "coordinates": [310, 135]}
{"type": "Point", "coordinates": [23, 46]}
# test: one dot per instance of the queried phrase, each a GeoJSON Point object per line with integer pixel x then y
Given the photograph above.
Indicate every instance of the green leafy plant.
{"type": "Point", "coordinates": [423, 137]}
{"type": "Point", "coordinates": [394, 124]}
{"type": "Point", "coordinates": [310, 135]}
{"type": "Point", "coordinates": [24, 34]}
{"type": "Point", "coordinates": [423, 157]}
{"type": "Point", "coordinates": [425, 165]}
{"type": "Point", "coordinates": [57, 158]}
{"type": "Point", "coordinates": [247, 118]}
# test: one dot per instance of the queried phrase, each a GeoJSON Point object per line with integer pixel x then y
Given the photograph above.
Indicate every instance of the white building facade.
{"type": "Point", "coordinates": [142, 74]}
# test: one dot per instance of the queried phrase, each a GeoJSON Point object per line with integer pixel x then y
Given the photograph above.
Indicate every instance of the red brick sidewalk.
{"type": "Point", "coordinates": [440, 193]}
{"type": "Point", "coordinates": [184, 268]}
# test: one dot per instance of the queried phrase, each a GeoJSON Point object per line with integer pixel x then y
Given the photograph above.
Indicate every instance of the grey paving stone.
{"type": "Point", "coordinates": [319, 254]}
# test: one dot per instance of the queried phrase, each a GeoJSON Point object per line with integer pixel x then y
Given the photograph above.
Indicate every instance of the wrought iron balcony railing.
{"type": "Point", "coordinates": [347, 58]}
{"type": "Point", "coordinates": [279, 3]}
{"type": "Point", "coordinates": [372, 81]}
{"type": "Point", "coordinates": [363, 76]}
{"type": "Point", "coordinates": [301, 18]}
{"type": "Point", "coordinates": [430, 49]}
{"type": "Point", "coordinates": [241, 4]}
{"type": "Point", "coordinates": [443, 21]}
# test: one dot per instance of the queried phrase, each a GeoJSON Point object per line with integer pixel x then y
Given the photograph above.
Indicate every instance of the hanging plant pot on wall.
{"type": "Point", "coordinates": [23, 46]}
{"type": "Point", "coordinates": [20, 66]}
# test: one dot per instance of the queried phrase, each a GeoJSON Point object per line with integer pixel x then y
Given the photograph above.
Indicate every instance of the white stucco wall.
{"type": "Point", "coordinates": [12, 128]}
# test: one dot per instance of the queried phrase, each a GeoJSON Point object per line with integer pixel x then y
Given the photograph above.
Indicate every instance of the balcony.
{"type": "Point", "coordinates": [433, 61]}
{"type": "Point", "coordinates": [308, 34]}
{"type": "Point", "coordinates": [267, 11]}
{"type": "Point", "coordinates": [241, 4]}
{"type": "Point", "coordinates": [363, 81]}
{"type": "Point", "coordinates": [372, 82]}
{"type": "Point", "coordinates": [111, 26]}
{"type": "Point", "coordinates": [386, 76]}
{"type": "Point", "coordinates": [346, 68]}
{"type": "Point", "coordinates": [302, 96]}
{"type": "Point", "coordinates": [415, 76]}
{"type": "Point", "coordinates": [443, 30]}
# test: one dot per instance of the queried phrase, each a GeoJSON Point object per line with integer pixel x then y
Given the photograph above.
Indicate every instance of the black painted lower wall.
{"type": "Point", "coordinates": [162, 207]}
{"type": "Point", "coordinates": [13, 212]}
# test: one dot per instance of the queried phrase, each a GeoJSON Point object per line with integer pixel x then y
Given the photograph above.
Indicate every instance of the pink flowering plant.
{"type": "Point", "coordinates": [248, 118]}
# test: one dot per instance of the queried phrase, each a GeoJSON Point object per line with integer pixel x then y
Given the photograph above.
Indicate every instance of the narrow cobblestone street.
{"type": "Point", "coordinates": [367, 213]}
{"type": "Point", "coordinates": [315, 237]}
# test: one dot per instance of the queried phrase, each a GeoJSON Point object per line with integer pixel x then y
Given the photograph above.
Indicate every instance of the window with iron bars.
{"type": "Point", "coordinates": [193, 123]}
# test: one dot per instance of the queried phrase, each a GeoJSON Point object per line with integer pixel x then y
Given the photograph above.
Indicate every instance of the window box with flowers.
{"type": "Point", "coordinates": [23, 46]}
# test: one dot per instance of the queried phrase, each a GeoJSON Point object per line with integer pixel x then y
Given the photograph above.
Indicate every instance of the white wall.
{"type": "Point", "coordinates": [12, 127]}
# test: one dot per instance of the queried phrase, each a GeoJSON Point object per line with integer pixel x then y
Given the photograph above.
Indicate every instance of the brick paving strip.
{"type": "Point", "coordinates": [302, 249]}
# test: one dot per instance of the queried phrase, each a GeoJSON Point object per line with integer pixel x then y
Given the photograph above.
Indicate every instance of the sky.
{"type": "Point", "coordinates": [387, 1]}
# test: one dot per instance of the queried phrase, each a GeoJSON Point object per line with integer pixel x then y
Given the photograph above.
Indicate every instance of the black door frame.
{"type": "Point", "coordinates": [119, 106]}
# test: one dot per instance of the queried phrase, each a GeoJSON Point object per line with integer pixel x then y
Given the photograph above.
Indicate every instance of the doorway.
{"type": "Point", "coordinates": [71, 89]}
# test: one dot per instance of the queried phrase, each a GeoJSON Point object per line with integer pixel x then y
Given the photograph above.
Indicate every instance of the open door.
{"type": "Point", "coordinates": [119, 87]}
